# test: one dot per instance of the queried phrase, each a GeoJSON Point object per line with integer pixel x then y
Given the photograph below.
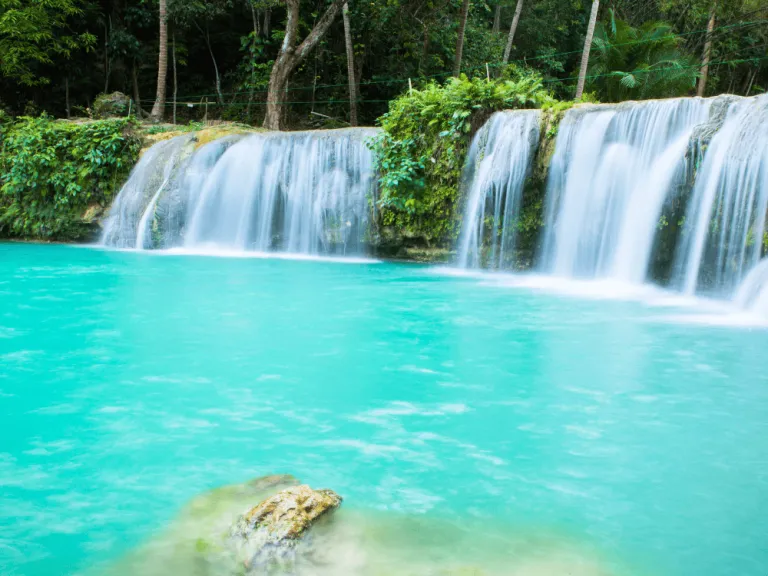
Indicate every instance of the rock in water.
{"type": "Point", "coordinates": [270, 532]}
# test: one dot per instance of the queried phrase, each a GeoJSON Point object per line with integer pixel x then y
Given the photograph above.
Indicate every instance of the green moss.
{"type": "Point", "coordinates": [152, 134]}
{"type": "Point", "coordinates": [114, 105]}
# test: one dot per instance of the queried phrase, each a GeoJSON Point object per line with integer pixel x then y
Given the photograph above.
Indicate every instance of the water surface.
{"type": "Point", "coordinates": [130, 382]}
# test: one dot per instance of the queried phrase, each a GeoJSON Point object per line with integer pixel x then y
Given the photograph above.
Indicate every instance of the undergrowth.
{"type": "Point", "coordinates": [52, 172]}
{"type": "Point", "coordinates": [421, 151]}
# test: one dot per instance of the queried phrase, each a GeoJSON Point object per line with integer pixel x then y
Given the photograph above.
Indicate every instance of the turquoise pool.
{"type": "Point", "coordinates": [131, 382]}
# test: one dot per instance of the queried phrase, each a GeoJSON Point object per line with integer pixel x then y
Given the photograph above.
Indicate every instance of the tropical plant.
{"type": "Point", "coordinates": [643, 62]}
{"type": "Point", "coordinates": [52, 171]}
{"type": "Point", "coordinates": [33, 33]}
{"type": "Point", "coordinates": [425, 137]}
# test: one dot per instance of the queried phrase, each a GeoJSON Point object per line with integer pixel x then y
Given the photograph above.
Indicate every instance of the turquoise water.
{"type": "Point", "coordinates": [131, 382]}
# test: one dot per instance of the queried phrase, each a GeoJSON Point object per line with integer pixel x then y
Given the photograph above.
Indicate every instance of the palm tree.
{"type": "Point", "coordinates": [587, 47]}
{"type": "Point", "coordinates": [350, 66]}
{"type": "Point", "coordinates": [162, 67]}
{"type": "Point", "coordinates": [707, 52]}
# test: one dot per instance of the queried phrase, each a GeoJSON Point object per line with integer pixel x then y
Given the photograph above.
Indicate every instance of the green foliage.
{"type": "Point", "coordinates": [425, 138]}
{"type": "Point", "coordinates": [643, 62]}
{"type": "Point", "coordinates": [33, 33]}
{"type": "Point", "coordinates": [51, 172]}
{"type": "Point", "coordinates": [164, 128]}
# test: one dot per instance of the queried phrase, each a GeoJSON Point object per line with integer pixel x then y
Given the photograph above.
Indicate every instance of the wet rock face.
{"type": "Point", "coordinates": [703, 133]}
{"type": "Point", "coordinates": [270, 532]}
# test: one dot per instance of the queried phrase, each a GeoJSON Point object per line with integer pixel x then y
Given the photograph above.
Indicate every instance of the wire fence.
{"type": "Point", "coordinates": [252, 98]}
{"type": "Point", "coordinates": [188, 98]}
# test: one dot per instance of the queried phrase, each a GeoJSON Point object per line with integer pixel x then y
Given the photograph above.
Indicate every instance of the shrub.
{"type": "Point", "coordinates": [421, 150]}
{"type": "Point", "coordinates": [51, 172]}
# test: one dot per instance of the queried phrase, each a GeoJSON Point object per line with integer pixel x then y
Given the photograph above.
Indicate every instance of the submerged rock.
{"type": "Point", "coordinates": [270, 532]}
{"type": "Point", "coordinates": [286, 532]}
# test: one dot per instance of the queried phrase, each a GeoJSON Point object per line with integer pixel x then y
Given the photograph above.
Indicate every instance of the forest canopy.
{"type": "Point", "coordinates": [57, 56]}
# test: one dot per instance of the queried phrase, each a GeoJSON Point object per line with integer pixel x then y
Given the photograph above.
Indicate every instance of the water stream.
{"type": "Point", "coordinates": [618, 174]}
{"type": "Point", "coordinates": [726, 216]}
{"type": "Point", "coordinates": [611, 173]}
{"type": "Point", "coordinates": [497, 165]}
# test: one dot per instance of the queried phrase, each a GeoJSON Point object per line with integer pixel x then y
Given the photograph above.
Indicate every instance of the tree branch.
{"type": "Point", "coordinates": [319, 30]}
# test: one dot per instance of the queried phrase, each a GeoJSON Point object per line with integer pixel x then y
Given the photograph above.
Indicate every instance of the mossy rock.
{"type": "Point", "coordinates": [153, 134]}
{"type": "Point", "coordinates": [114, 105]}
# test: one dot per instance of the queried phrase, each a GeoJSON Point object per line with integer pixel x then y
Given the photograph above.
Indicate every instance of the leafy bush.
{"type": "Point", "coordinates": [52, 172]}
{"type": "Point", "coordinates": [421, 151]}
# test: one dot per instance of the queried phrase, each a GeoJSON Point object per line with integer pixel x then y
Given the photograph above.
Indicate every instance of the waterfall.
{"type": "Point", "coordinates": [752, 295]}
{"type": "Point", "coordinates": [125, 226]}
{"type": "Point", "coordinates": [725, 220]}
{"type": "Point", "coordinates": [611, 173]}
{"type": "Point", "coordinates": [495, 171]}
{"type": "Point", "coordinates": [305, 192]}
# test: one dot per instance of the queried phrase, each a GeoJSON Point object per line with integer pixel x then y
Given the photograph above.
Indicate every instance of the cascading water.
{"type": "Point", "coordinates": [495, 171]}
{"type": "Point", "coordinates": [305, 192]}
{"type": "Point", "coordinates": [611, 173]}
{"type": "Point", "coordinates": [752, 295]}
{"type": "Point", "coordinates": [725, 219]}
{"type": "Point", "coordinates": [126, 225]}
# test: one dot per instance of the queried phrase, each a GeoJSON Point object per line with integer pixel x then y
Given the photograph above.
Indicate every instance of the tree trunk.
{"type": "Point", "coordinates": [218, 77]}
{"type": "Point", "coordinates": [106, 58]}
{"type": "Point", "coordinates": [66, 96]}
{"type": "Point", "coordinates": [207, 37]}
{"type": "Point", "coordinates": [497, 19]}
{"type": "Point", "coordinates": [704, 72]}
{"type": "Point", "coordinates": [256, 33]}
{"type": "Point", "coordinates": [136, 97]}
{"type": "Point", "coordinates": [350, 66]}
{"type": "Point", "coordinates": [267, 28]}
{"type": "Point", "coordinates": [751, 81]}
{"type": "Point", "coordinates": [255, 18]}
{"type": "Point", "coordinates": [290, 56]}
{"type": "Point", "coordinates": [460, 39]}
{"type": "Point", "coordinates": [587, 48]}
{"type": "Point", "coordinates": [175, 79]}
{"type": "Point", "coordinates": [359, 63]}
{"type": "Point", "coordinates": [424, 50]}
{"type": "Point", "coordinates": [512, 30]}
{"type": "Point", "coordinates": [158, 109]}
